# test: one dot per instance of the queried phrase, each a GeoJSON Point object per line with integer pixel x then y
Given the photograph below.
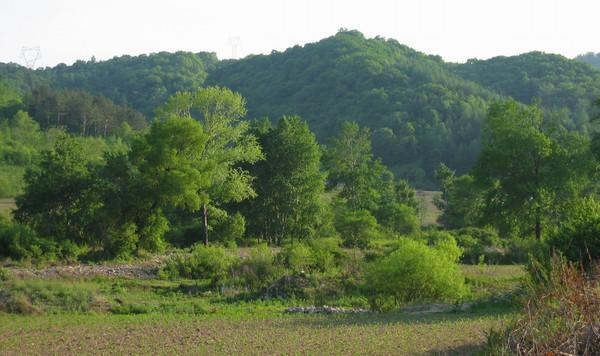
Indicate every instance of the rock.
{"type": "Point", "coordinates": [324, 310]}
{"type": "Point", "coordinates": [436, 308]}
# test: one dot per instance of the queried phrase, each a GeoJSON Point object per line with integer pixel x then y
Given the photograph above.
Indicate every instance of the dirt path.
{"type": "Point", "coordinates": [141, 270]}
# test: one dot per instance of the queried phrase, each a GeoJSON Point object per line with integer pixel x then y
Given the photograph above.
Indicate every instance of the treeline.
{"type": "Point", "coordinates": [31, 124]}
{"type": "Point", "coordinates": [199, 169]}
{"type": "Point", "coordinates": [591, 58]}
{"type": "Point", "coordinates": [529, 180]}
{"type": "Point", "coordinates": [420, 109]}
{"type": "Point", "coordinates": [142, 82]}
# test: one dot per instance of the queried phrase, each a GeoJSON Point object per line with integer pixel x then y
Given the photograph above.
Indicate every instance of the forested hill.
{"type": "Point", "coordinates": [421, 113]}
{"type": "Point", "coordinates": [591, 58]}
{"type": "Point", "coordinates": [563, 86]}
{"type": "Point", "coordinates": [421, 110]}
{"type": "Point", "coordinates": [141, 82]}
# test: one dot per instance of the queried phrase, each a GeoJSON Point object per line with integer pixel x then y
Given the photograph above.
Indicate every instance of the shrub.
{"type": "Point", "coordinates": [479, 243]}
{"type": "Point", "coordinates": [259, 269]}
{"type": "Point", "coordinates": [5, 275]}
{"type": "Point", "coordinates": [204, 262]}
{"type": "Point", "coordinates": [416, 272]}
{"type": "Point", "coordinates": [400, 218]}
{"type": "Point", "coordinates": [357, 228]}
{"type": "Point", "coordinates": [562, 315]}
{"type": "Point", "coordinates": [578, 236]}
{"type": "Point", "coordinates": [35, 296]}
{"type": "Point", "coordinates": [229, 228]}
{"type": "Point", "coordinates": [444, 242]}
{"type": "Point", "coordinates": [298, 257]}
{"type": "Point", "coordinates": [325, 252]}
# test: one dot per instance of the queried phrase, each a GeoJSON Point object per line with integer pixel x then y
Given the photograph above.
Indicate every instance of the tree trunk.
{"type": "Point", "coordinates": [205, 224]}
{"type": "Point", "coordinates": [538, 226]}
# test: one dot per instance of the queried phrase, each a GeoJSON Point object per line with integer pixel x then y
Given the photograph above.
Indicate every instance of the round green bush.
{"type": "Point", "coordinates": [416, 272]}
{"type": "Point", "coordinates": [205, 262]}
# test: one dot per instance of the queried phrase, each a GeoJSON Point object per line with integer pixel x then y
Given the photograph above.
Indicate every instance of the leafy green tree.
{"type": "Point", "coordinates": [288, 184]}
{"type": "Point", "coordinates": [352, 168]}
{"type": "Point", "coordinates": [527, 172]}
{"type": "Point", "coordinates": [461, 199]}
{"type": "Point", "coordinates": [228, 145]}
{"type": "Point", "coordinates": [60, 200]}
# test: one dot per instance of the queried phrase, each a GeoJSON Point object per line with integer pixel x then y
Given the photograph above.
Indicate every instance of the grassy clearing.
{"type": "Point", "coordinates": [429, 213]}
{"type": "Point", "coordinates": [109, 315]}
{"type": "Point", "coordinates": [6, 205]}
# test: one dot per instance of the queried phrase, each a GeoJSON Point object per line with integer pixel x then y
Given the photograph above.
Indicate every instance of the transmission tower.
{"type": "Point", "coordinates": [30, 55]}
{"type": "Point", "coordinates": [234, 42]}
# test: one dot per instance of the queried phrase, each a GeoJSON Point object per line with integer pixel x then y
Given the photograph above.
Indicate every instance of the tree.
{"type": "Point", "coordinates": [60, 200]}
{"type": "Point", "coordinates": [352, 167]}
{"type": "Point", "coordinates": [527, 171]}
{"type": "Point", "coordinates": [288, 183]}
{"type": "Point", "coordinates": [460, 201]}
{"type": "Point", "coordinates": [228, 144]}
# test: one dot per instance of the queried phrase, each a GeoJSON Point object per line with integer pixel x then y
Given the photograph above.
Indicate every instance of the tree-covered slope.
{"type": "Point", "coordinates": [591, 58]}
{"type": "Point", "coordinates": [561, 84]}
{"type": "Point", "coordinates": [141, 82]}
{"type": "Point", "coordinates": [421, 112]}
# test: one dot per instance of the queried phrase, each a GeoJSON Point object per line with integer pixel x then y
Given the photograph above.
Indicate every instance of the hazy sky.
{"type": "Point", "coordinates": [67, 30]}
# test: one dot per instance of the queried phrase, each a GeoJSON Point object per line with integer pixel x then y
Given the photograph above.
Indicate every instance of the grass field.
{"type": "Point", "coordinates": [429, 213]}
{"type": "Point", "coordinates": [6, 205]}
{"type": "Point", "coordinates": [384, 334]}
{"type": "Point", "coordinates": [108, 315]}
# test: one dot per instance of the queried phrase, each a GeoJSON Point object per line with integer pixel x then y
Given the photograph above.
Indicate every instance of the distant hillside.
{"type": "Point", "coordinates": [563, 85]}
{"type": "Point", "coordinates": [421, 113]}
{"type": "Point", "coordinates": [142, 82]}
{"type": "Point", "coordinates": [591, 58]}
{"type": "Point", "coordinates": [421, 110]}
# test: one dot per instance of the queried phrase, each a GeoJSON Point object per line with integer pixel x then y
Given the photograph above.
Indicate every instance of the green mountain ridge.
{"type": "Point", "coordinates": [421, 110]}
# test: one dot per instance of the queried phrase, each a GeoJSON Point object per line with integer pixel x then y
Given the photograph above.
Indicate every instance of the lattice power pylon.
{"type": "Point", "coordinates": [30, 55]}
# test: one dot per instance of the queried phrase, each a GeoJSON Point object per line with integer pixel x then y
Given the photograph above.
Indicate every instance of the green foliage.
{"type": "Point", "coordinates": [560, 83]}
{"type": "Point", "coordinates": [289, 184]}
{"type": "Point", "coordinates": [356, 228]}
{"type": "Point", "coordinates": [416, 272]}
{"type": "Point", "coordinates": [226, 145]}
{"type": "Point", "coordinates": [21, 243]}
{"type": "Point", "coordinates": [204, 262]}
{"type": "Point", "coordinates": [591, 58]}
{"type": "Point", "coordinates": [123, 79]}
{"type": "Point", "coordinates": [59, 201]}
{"type": "Point", "coordinates": [298, 257]}
{"type": "Point", "coordinates": [481, 245]}
{"type": "Point", "coordinates": [230, 228]}
{"type": "Point", "coordinates": [259, 269]}
{"type": "Point", "coordinates": [363, 184]}
{"type": "Point", "coordinates": [34, 297]}
{"type": "Point", "coordinates": [444, 242]}
{"type": "Point", "coordinates": [461, 201]}
{"type": "Point", "coordinates": [528, 172]}
{"type": "Point", "coordinates": [351, 167]}
{"type": "Point", "coordinates": [79, 112]}
{"type": "Point", "coordinates": [420, 112]}
{"type": "Point", "coordinates": [578, 236]}
{"type": "Point", "coordinates": [326, 253]}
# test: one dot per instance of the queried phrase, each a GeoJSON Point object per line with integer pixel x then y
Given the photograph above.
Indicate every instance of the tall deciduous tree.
{"type": "Point", "coordinates": [228, 144]}
{"type": "Point", "coordinates": [352, 167]}
{"type": "Point", "coordinates": [289, 183]}
{"type": "Point", "coordinates": [528, 172]}
{"type": "Point", "coordinates": [60, 199]}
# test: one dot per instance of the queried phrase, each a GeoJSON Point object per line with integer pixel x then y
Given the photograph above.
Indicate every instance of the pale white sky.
{"type": "Point", "coordinates": [67, 30]}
